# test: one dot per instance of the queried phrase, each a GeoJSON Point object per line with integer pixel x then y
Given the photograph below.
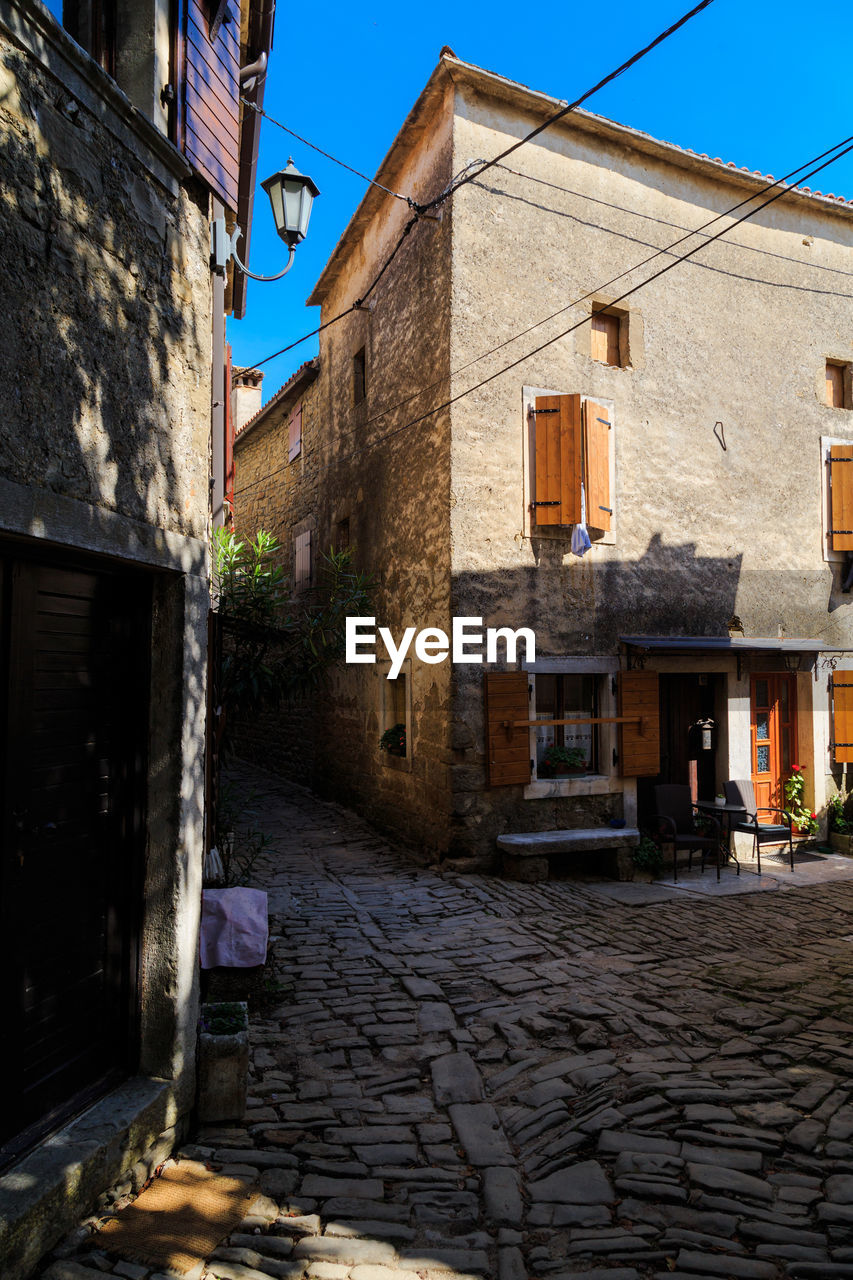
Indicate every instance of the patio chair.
{"type": "Point", "coordinates": [742, 792]}
{"type": "Point", "coordinates": [677, 814]}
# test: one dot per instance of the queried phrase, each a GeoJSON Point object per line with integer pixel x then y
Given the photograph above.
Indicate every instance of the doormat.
{"type": "Point", "coordinates": [784, 857]}
{"type": "Point", "coordinates": [178, 1220]}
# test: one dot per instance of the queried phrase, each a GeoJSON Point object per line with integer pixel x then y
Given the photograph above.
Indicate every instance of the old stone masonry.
{"type": "Point", "coordinates": [461, 1077]}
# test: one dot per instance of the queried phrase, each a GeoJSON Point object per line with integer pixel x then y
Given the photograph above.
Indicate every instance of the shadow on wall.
{"type": "Point", "coordinates": [108, 356]}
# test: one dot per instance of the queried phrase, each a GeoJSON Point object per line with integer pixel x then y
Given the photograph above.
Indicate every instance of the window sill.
{"type": "Point", "coordinates": [403, 764]}
{"type": "Point", "coordinates": [588, 784]}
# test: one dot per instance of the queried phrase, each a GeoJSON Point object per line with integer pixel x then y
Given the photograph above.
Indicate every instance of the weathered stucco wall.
{"type": "Point", "coordinates": [740, 335]}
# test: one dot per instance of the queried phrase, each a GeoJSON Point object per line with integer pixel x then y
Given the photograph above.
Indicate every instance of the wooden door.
{"type": "Point", "coordinates": [774, 735]}
{"type": "Point", "coordinates": [73, 740]}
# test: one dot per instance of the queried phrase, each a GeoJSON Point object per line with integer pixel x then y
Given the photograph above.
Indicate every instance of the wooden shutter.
{"type": "Point", "coordinates": [210, 101]}
{"type": "Point", "coordinates": [507, 749]}
{"type": "Point", "coordinates": [639, 743]}
{"type": "Point", "coordinates": [834, 385]}
{"type": "Point", "coordinates": [302, 549]}
{"type": "Point", "coordinates": [841, 496]}
{"type": "Point", "coordinates": [604, 339]}
{"type": "Point", "coordinates": [556, 497]}
{"type": "Point", "coordinates": [842, 716]}
{"type": "Point", "coordinates": [596, 435]}
{"type": "Point", "coordinates": [294, 442]}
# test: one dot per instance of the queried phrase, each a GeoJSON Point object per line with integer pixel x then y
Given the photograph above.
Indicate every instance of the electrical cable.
{"type": "Point", "coordinates": [591, 293]}
{"type": "Point", "coordinates": [456, 182]}
{"type": "Point", "coordinates": [388, 191]}
{"type": "Point", "coordinates": [613, 279]}
{"type": "Point", "coordinates": [564, 111]}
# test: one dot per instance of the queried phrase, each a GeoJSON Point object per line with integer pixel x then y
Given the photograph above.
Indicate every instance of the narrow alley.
{"type": "Point", "coordinates": [458, 1076]}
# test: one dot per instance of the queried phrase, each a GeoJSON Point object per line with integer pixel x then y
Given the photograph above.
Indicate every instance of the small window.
{"type": "Point", "coordinates": [605, 338]}
{"type": "Point", "coordinates": [302, 561]}
{"type": "Point", "coordinates": [838, 385]}
{"type": "Point", "coordinates": [566, 748]}
{"type": "Point", "coordinates": [342, 535]}
{"type": "Point", "coordinates": [395, 742]}
{"type": "Point", "coordinates": [359, 376]}
{"type": "Point", "coordinates": [294, 434]}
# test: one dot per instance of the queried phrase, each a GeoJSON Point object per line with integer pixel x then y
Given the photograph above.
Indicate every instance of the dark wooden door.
{"type": "Point", "coordinates": [76, 679]}
{"type": "Point", "coordinates": [686, 702]}
{"type": "Point", "coordinates": [774, 735]}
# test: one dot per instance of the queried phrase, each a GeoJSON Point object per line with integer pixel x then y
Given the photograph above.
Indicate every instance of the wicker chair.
{"type": "Point", "coordinates": [676, 814]}
{"type": "Point", "coordinates": [742, 792]}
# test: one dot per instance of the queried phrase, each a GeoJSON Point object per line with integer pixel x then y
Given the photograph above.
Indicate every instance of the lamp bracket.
{"type": "Point", "coordinates": [224, 247]}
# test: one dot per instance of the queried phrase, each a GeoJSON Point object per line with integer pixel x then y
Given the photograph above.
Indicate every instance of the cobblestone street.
{"type": "Point", "coordinates": [460, 1076]}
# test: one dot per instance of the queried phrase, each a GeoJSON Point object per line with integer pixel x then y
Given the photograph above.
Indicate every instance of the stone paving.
{"type": "Point", "coordinates": [464, 1077]}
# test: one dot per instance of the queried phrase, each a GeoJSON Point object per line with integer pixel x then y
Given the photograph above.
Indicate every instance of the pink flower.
{"type": "Point", "coordinates": [795, 768]}
{"type": "Point", "coordinates": [814, 815]}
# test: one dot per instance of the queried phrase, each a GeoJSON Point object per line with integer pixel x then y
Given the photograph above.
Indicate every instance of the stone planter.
{"type": "Point", "coordinates": [223, 1063]}
{"type": "Point", "coordinates": [841, 843]}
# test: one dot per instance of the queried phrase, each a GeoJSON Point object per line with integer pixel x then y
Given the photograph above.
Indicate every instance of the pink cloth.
{"type": "Point", "coordinates": [234, 928]}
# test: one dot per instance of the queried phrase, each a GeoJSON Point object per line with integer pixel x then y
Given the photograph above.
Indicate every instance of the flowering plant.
{"type": "Point", "coordinates": [573, 757]}
{"type": "Point", "coordinates": [803, 819]}
{"type": "Point", "coordinates": [393, 740]}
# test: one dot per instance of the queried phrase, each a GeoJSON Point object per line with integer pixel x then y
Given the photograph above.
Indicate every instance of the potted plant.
{"type": "Point", "coordinates": [393, 740]}
{"type": "Point", "coordinates": [840, 827]}
{"type": "Point", "coordinates": [563, 760]}
{"type": "Point", "coordinates": [223, 1061]}
{"type": "Point", "coordinates": [804, 820]}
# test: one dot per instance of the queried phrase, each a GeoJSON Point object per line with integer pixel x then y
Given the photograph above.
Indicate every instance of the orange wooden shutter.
{"type": "Point", "coordinates": [596, 436]}
{"type": "Point", "coordinates": [834, 385]}
{"type": "Point", "coordinates": [507, 749]}
{"type": "Point", "coordinates": [604, 339]}
{"type": "Point", "coordinates": [841, 496]}
{"type": "Point", "coordinates": [557, 494]}
{"type": "Point", "coordinates": [639, 743]}
{"type": "Point", "coordinates": [842, 716]}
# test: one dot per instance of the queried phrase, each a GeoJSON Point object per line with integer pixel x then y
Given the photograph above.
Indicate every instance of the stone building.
{"type": "Point", "coordinates": [115, 155]}
{"type": "Point", "coordinates": [492, 380]}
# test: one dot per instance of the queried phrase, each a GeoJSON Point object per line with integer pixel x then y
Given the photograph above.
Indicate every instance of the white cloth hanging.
{"type": "Point", "coordinates": [580, 538]}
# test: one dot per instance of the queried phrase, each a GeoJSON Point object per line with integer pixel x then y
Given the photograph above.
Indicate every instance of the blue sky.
{"type": "Point", "coordinates": [764, 83]}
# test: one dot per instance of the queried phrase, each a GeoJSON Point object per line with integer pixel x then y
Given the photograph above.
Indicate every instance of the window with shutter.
{"type": "Point", "coordinates": [839, 392]}
{"type": "Point", "coordinates": [572, 442]}
{"type": "Point", "coordinates": [507, 745]}
{"type": "Point", "coordinates": [842, 716]}
{"type": "Point", "coordinates": [294, 434]}
{"type": "Point", "coordinates": [639, 736]}
{"type": "Point", "coordinates": [604, 338]}
{"type": "Point", "coordinates": [209, 132]}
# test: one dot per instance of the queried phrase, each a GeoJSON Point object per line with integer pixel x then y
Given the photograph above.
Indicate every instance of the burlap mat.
{"type": "Point", "coordinates": [179, 1219]}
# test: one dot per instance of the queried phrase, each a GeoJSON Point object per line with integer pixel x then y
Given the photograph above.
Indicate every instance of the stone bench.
{"type": "Point", "coordinates": [525, 856]}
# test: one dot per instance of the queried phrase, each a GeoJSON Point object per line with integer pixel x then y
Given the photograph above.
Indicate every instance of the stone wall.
{"type": "Point", "coordinates": [104, 455]}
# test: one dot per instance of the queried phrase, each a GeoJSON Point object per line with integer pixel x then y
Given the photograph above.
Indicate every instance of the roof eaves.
{"type": "Point", "coordinates": [299, 381]}
{"type": "Point", "coordinates": [533, 99]}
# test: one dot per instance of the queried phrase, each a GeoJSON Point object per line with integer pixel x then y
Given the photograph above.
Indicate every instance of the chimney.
{"type": "Point", "coordinates": [245, 395]}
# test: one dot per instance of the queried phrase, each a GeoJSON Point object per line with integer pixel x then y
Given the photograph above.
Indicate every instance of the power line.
{"type": "Point", "coordinates": [662, 222]}
{"type": "Point", "coordinates": [460, 179]}
{"type": "Point", "coordinates": [628, 292]}
{"type": "Point", "coordinates": [613, 279]}
{"type": "Point", "coordinates": [564, 111]}
{"type": "Point", "coordinates": [388, 191]}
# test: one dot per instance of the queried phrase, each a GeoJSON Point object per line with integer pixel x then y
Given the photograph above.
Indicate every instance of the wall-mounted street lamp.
{"type": "Point", "coordinates": [291, 195]}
